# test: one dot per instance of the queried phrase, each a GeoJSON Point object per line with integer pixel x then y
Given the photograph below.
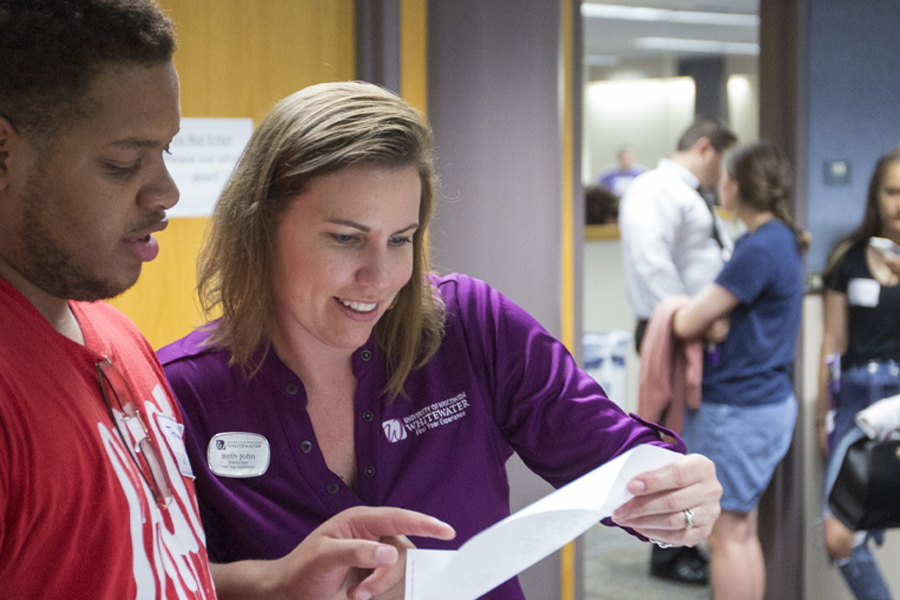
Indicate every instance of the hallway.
{"type": "Point", "coordinates": [616, 568]}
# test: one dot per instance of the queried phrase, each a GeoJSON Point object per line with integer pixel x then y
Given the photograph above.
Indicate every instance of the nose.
{"type": "Point", "coordinates": [161, 192]}
{"type": "Point", "coordinates": [374, 270]}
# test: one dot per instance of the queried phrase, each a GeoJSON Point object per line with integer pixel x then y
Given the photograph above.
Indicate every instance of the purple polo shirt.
{"type": "Point", "coordinates": [499, 383]}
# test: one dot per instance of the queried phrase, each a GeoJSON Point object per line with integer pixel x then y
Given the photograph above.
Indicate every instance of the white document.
{"type": "Point", "coordinates": [509, 547]}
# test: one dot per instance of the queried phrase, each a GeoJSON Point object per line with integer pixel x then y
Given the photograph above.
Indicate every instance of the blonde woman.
{"type": "Point", "coordinates": [343, 373]}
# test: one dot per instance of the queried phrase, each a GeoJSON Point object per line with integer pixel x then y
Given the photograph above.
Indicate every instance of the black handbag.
{"type": "Point", "coordinates": [866, 493]}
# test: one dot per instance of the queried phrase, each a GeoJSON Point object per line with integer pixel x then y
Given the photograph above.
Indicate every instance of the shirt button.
{"type": "Point", "coordinates": [370, 471]}
{"type": "Point", "coordinates": [368, 415]}
{"type": "Point", "coordinates": [332, 488]}
{"type": "Point", "coordinates": [292, 389]}
{"type": "Point", "coordinates": [366, 355]}
{"type": "Point", "coordinates": [306, 447]}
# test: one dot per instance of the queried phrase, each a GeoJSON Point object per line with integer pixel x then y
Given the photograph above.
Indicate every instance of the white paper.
{"type": "Point", "coordinates": [509, 547]}
{"type": "Point", "coordinates": [201, 157]}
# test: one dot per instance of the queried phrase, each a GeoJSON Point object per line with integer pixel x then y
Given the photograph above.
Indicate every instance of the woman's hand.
{"type": "Point", "coordinates": [718, 331]}
{"type": "Point", "coordinates": [366, 538]}
{"type": "Point", "coordinates": [357, 554]}
{"type": "Point", "coordinates": [386, 583]}
{"type": "Point", "coordinates": [662, 499]}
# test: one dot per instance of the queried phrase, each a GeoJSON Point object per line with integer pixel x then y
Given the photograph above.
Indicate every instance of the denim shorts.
{"type": "Point", "coordinates": [745, 443]}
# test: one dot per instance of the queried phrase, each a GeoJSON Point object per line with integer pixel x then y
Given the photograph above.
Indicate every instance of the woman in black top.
{"type": "Point", "coordinates": [860, 353]}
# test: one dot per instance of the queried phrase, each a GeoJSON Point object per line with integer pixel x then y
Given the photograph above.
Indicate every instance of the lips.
{"type": "Point", "coordinates": [144, 245]}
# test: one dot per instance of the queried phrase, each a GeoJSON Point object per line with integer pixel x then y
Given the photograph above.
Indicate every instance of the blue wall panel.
{"type": "Point", "coordinates": [854, 108]}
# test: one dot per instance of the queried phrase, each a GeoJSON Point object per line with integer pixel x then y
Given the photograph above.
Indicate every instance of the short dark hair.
{"type": "Point", "coordinates": [601, 205]}
{"type": "Point", "coordinates": [720, 135]}
{"type": "Point", "coordinates": [51, 51]}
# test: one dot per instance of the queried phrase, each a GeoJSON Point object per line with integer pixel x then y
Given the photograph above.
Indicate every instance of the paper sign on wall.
{"type": "Point", "coordinates": [202, 156]}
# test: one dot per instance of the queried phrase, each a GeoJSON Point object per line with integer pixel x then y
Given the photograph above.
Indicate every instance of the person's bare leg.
{"type": "Point", "coordinates": [738, 570]}
{"type": "Point", "coordinates": [838, 539]}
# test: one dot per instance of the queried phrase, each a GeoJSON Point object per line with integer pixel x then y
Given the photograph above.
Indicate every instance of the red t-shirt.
{"type": "Point", "coordinates": [76, 518]}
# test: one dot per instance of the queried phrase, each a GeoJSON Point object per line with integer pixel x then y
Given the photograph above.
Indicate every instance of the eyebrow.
{"type": "Point", "coordinates": [365, 229]}
{"type": "Point", "coordinates": [137, 143]}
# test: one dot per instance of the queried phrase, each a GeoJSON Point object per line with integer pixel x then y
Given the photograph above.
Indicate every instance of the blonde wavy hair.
{"type": "Point", "coordinates": [314, 132]}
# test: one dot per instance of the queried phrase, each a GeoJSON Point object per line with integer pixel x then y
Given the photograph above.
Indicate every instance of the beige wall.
{"type": "Point", "coordinates": [233, 62]}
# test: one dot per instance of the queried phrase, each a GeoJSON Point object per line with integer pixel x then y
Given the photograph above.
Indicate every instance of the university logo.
{"type": "Point", "coordinates": [220, 444]}
{"type": "Point", "coordinates": [394, 430]}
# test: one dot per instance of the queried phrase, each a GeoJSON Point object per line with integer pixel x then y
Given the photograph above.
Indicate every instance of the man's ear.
{"type": "Point", "coordinates": [15, 151]}
{"type": "Point", "coordinates": [7, 132]}
{"type": "Point", "coordinates": [702, 145]}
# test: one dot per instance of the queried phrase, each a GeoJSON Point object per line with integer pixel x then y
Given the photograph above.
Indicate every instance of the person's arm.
{"type": "Point", "coordinates": [701, 317]}
{"type": "Point", "coordinates": [661, 498]}
{"type": "Point", "coordinates": [834, 340]}
{"type": "Point", "coordinates": [357, 538]}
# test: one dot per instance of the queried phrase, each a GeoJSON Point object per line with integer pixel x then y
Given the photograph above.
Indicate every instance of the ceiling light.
{"type": "Point", "coordinates": [640, 13]}
{"type": "Point", "coordinates": [703, 46]}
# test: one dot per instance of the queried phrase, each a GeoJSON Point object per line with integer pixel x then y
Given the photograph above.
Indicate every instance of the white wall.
{"type": "Point", "coordinates": [743, 107]}
{"type": "Point", "coordinates": [647, 114]}
{"type": "Point", "coordinates": [650, 114]}
{"type": "Point", "coordinates": [606, 308]}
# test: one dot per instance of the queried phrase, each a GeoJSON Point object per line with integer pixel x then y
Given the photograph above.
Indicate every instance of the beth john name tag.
{"type": "Point", "coordinates": [238, 454]}
{"type": "Point", "coordinates": [863, 292]}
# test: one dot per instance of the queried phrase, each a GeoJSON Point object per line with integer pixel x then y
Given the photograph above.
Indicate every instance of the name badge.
{"type": "Point", "coordinates": [238, 454]}
{"type": "Point", "coordinates": [863, 292]}
{"type": "Point", "coordinates": [173, 431]}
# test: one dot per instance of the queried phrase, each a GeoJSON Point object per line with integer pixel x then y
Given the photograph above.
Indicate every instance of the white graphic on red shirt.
{"type": "Point", "coordinates": [166, 544]}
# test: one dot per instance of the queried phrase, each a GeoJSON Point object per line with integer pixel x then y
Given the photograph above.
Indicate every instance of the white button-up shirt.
{"type": "Point", "coordinates": [667, 243]}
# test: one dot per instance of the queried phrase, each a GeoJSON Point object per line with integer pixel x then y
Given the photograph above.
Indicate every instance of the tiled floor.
{"type": "Point", "coordinates": [616, 568]}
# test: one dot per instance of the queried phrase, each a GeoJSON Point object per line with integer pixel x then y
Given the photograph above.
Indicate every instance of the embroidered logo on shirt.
{"type": "Point", "coordinates": [431, 417]}
{"type": "Point", "coordinates": [394, 430]}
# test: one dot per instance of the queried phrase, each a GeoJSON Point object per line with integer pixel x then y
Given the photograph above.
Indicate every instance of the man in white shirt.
{"type": "Point", "coordinates": [673, 243]}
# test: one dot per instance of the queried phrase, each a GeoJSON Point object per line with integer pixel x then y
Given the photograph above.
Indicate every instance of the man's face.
{"type": "Point", "coordinates": [711, 168]}
{"type": "Point", "coordinates": [76, 219]}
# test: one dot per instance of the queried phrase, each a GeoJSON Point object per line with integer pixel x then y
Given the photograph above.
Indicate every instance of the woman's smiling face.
{"type": "Point", "coordinates": [344, 249]}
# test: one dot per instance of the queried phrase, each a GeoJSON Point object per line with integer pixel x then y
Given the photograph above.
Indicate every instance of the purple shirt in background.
{"type": "Point", "coordinates": [618, 181]}
{"type": "Point", "coordinates": [499, 383]}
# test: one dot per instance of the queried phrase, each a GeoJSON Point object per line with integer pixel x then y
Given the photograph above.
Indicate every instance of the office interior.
{"type": "Point", "coordinates": [508, 86]}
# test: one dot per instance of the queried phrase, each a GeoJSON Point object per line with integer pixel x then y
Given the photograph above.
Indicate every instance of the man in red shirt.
{"type": "Point", "coordinates": [96, 492]}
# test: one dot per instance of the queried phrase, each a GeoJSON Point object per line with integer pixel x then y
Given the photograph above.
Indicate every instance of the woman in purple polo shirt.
{"type": "Point", "coordinates": [342, 373]}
